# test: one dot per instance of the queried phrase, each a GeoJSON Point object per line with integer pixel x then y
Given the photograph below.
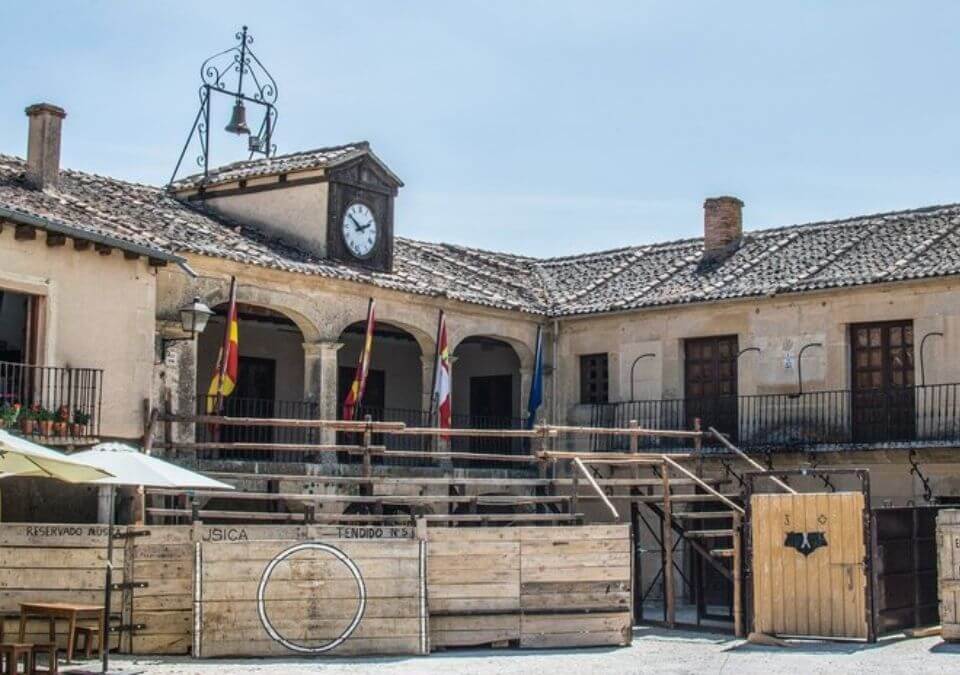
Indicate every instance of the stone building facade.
{"type": "Point", "coordinates": [785, 305]}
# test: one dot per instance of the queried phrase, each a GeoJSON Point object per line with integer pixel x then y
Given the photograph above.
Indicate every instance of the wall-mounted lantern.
{"type": "Point", "coordinates": [193, 320]}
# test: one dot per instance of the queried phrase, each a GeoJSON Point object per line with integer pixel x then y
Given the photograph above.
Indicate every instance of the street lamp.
{"type": "Point", "coordinates": [193, 320]}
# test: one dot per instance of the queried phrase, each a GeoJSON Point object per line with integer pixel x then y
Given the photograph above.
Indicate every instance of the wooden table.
{"type": "Point", "coordinates": [62, 610]}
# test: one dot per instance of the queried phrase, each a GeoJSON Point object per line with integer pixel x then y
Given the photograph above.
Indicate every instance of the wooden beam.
{"type": "Point", "coordinates": [593, 484]}
{"type": "Point", "coordinates": [156, 262]}
{"type": "Point", "coordinates": [130, 255]}
{"type": "Point", "coordinates": [749, 460]}
{"type": "Point", "coordinates": [56, 239]}
{"type": "Point", "coordinates": [25, 233]}
{"type": "Point", "coordinates": [102, 249]}
{"type": "Point", "coordinates": [690, 474]}
{"type": "Point", "coordinates": [81, 244]}
{"type": "Point", "coordinates": [668, 591]}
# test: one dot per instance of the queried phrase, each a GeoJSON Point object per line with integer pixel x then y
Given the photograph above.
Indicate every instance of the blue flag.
{"type": "Point", "coordinates": [536, 386]}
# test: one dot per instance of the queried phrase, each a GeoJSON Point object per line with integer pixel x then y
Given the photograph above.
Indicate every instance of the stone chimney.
{"type": "Point", "coordinates": [43, 145]}
{"type": "Point", "coordinates": [722, 227]}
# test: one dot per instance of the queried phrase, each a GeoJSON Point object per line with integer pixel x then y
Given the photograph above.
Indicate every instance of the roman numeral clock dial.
{"type": "Point", "coordinates": [359, 230]}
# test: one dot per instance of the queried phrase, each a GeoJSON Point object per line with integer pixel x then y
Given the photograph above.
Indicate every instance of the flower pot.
{"type": "Point", "coordinates": [28, 427]}
{"type": "Point", "coordinates": [46, 427]}
{"type": "Point", "coordinates": [60, 428]}
{"type": "Point", "coordinates": [76, 430]}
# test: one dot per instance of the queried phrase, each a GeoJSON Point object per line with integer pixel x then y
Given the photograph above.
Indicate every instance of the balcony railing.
{"type": "Point", "coordinates": [839, 418]}
{"type": "Point", "coordinates": [235, 406]}
{"type": "Point", "coordinates": [56, 404]}
{"type": "Point", "coordinates": [411, 417]}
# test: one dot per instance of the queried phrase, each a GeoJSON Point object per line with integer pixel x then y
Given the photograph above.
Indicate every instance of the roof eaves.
{"type": "Point", "coordinates": [62, 228]}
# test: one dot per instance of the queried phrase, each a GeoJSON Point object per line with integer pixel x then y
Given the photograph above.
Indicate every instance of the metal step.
{"type": "Point", "coordinates": [708, 534]}
{"type": "Point", "coordinates": [703, 515]}
{"type": "Point", "coordinates": [722, 552]}
{"type": "Point", "coordinates": [648, 499]}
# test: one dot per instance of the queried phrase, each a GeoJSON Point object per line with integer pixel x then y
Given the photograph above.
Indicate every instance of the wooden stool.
{"type": "Point", "coordinates": [88, 633]}
{"type": "Point", "coordinates": [48, 649]}
{"type": "Point", "coordinates": [11, 654]}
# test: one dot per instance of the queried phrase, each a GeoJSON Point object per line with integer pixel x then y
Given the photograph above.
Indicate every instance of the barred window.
{"type": "Point", "coordinates": [593, 378]}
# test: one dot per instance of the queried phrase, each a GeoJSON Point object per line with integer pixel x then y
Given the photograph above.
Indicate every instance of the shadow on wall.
{"type": "Point", "coordinates": [44, 500]}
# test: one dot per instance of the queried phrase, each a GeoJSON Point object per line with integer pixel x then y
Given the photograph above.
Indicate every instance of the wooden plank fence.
{"type": "Point", "coordinates": [272, 590]}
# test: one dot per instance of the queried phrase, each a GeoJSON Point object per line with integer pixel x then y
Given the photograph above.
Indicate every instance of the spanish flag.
{"type": "Point", "coordinates": [225, 378]}
{"type": "Point", "coordinates": [351, 405]}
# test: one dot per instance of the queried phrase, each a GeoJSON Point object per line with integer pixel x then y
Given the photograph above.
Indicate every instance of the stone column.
{"type": "Point", "coordinates": [426, 371]}
{"type": "Point", "coordinates": [178, 377]}
{"type": "Point", "coordinates": [320, 385]}
{"type": "Point", "coordinates": [526, 381]}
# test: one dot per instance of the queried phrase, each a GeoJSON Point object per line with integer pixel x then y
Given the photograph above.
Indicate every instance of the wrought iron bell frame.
{"type": "Point", "coordinates": [239, 59]}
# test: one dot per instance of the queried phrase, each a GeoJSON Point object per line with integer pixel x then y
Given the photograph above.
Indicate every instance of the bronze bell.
{"type": "Point", "coordinates": [238, 120]}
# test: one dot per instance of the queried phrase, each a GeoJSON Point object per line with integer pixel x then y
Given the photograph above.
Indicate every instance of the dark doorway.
{"type": "Point", "coordinates": [18, 327]}
{"type": "Point", "coordinates": [253, 397]}
{"type": "Point", "coordinates": [491, 407]}
{"type": "Point", "coordinates": [374, 394]}
{"type": "Point", "coordinates": [882, 381]}
{"type": "Point", "coordinates": [373, 404]}
{"type": "Point", "coordinates": [710, 382]}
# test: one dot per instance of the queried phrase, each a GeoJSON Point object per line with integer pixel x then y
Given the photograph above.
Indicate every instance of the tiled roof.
{"type": "Point", "coordinates": [319, 158]}
{"type": "Point", "coordinates": [149, 215]}
{"type": "Point", "coordinates": [871, 249]}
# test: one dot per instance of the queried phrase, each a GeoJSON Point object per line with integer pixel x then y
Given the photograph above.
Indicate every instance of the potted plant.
{"type": "Point", "coordinates": [80, 421]}
{"type": "Point", "coordinates": [61, 421]}
{"type": "Point", "coordinates": [28, 419]}
{"type": "Point", "coordinates": [45, 420]}
{"type": "Point", "coordinates": [9, 413]}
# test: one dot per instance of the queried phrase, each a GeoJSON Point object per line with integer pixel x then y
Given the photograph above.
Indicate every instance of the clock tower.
{"type": "Point", "coordinates": [333, 203]}
{"type": "Point", "coordinates": [360, 213]}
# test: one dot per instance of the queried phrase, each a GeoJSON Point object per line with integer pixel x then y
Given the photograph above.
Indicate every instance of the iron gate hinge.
{"type": "Point", "coordinates": [129, 584]}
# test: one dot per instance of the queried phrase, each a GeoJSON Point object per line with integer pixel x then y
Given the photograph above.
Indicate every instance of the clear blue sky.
{"type": "Point", "coordinates": [542, 128]}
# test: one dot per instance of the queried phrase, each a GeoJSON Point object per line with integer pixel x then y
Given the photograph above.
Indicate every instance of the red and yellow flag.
{"type": "Point", "coordinates": [225, 377]}
{"type": "Point", "coordinates": [355, 395]}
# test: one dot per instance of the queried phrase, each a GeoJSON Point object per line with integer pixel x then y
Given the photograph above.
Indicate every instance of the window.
{"type": "Point", "coordinates": [594, 379]}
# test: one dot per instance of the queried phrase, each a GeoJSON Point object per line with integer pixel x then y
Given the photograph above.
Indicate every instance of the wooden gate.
{"type": "Point", "coordinates": [808, 563]}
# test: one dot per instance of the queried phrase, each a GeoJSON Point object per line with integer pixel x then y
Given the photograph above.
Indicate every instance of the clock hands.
{"type": "Point", "coordinates": [360, 228]}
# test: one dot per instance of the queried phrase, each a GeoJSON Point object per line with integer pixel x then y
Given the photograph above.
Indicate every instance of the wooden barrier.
{"type": "Point", "coordinates": [948, 545]}
{"type": "Point", "coordinates": [54, 563]}
{"type": "Point", "coordinates": [272, 590]}
{"type": "Point", "coordinates": [534, 586]}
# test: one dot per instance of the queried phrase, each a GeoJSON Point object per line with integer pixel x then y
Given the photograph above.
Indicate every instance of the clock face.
{"type": "Point", "coordinates": [359, 230]}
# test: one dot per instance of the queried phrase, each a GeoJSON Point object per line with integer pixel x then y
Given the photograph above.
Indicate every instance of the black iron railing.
{"type": "Point", "coordinates": [51, 402]}
{"type": "Point", "coordinates": [864, 418]}
{"type": "Point", "coordinates": [256, 408]}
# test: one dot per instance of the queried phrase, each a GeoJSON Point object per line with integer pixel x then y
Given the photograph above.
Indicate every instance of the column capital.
{"type": "Point", "coordinates": [321, 347]}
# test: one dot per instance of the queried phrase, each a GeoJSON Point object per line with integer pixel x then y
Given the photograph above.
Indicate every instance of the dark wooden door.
{"type": "Point", "coordinates": [710, 382]}
{"type": "Point", "coordinates": [882, 381]}
{"type": "Point", "coordinates": [253, 396]}
{"type": "Point", "coordinates": [491, 407]}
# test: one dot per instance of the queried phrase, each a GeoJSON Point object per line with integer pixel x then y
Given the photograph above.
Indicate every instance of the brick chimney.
{"type": "Point", "coordinates": [722, 227]}
{"type": "Point", "coordinates": [43, 145]}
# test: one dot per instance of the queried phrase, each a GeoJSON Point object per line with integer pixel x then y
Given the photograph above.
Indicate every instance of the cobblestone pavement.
{"type": "Point", "coordinates": [652, 651]}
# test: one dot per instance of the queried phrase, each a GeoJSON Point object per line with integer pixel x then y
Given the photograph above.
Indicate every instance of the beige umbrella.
{"type": "Point", "coordinates": [20, 457]}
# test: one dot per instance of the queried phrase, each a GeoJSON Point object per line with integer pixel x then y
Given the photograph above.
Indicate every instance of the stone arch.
{"type": "Point", "coordinates": [488, 380]}
{"type": "Point", "coordinates": [396, 383]}
{"type": "Point", "coordinates": [295, 307]}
